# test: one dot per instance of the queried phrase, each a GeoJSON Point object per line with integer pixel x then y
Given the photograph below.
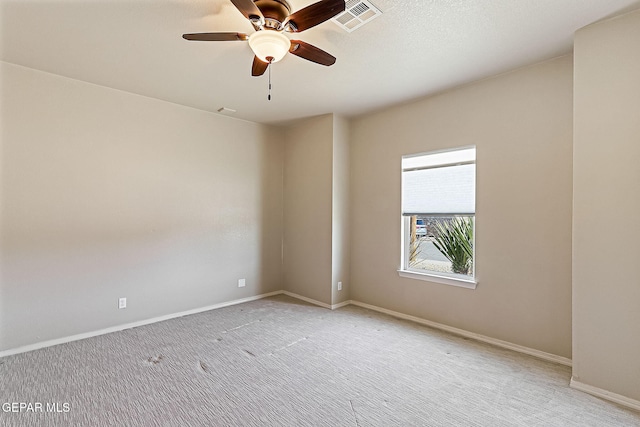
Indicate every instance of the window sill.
{"type": "Point", "coordinates": [462, 283]}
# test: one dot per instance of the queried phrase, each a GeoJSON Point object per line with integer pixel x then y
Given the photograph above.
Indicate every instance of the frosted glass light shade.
{"type": "Point", "coordinates": [269, 44]}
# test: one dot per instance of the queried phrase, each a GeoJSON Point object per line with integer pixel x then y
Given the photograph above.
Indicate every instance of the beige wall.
{"type": "Point", "coordinates": [521, 124]}
{"type": "Point", "coordinates": [606, 287]}
{"type": "Point", "coordinates": [308, 160]}
{"type": "Point", "coordinates": [340, 244]}
{"type": "Point", "coordinates": [107, 194]}
{"type": "Point", "coordinates": [316, 209]}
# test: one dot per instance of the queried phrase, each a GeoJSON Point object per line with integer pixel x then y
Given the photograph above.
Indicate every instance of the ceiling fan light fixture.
{"type": "Point", "coordinates": [269, 44]}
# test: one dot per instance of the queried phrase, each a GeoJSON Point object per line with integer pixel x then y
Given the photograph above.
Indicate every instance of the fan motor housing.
{"type": "Point", "coordinates": [274, 11]}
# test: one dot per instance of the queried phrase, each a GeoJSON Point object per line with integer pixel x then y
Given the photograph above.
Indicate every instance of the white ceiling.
{"type": "Point", "coordinates": [415, 48]}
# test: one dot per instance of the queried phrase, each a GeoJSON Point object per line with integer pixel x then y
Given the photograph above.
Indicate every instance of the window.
{"type": "Point", "coordinates": [438, 216]}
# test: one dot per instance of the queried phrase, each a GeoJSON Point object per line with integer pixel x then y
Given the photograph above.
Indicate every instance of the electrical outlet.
{"type": "Point", "coordinates": [242, 283]}
{"type": "Point", "coordinates": [339, 286]}
{"type": "Point", "coordinates": [122, 303]}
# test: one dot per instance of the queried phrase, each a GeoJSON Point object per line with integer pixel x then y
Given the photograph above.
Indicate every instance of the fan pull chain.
{"type": "Point", "coordinates": [269, 96]}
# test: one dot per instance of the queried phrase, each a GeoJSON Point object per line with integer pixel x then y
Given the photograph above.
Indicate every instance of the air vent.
{"type": "Point", "coordinates": [227, 111]}
{"type": "Point", "coordinates": [356, 14]}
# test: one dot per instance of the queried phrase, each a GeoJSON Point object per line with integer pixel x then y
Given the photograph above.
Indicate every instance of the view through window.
{"type": "Point", "coordinates": [438, 209]}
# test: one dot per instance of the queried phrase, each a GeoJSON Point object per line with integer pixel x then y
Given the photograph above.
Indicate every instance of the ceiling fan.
{"type": "Point", "coordinates": [271, 18]}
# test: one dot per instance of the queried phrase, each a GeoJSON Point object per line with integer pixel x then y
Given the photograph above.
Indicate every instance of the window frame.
{"type": "Point", "coordinates": [405, 270]}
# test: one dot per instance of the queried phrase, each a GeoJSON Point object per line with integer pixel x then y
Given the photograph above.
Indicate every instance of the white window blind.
{"type": "Point", "coordinates": [439, 190]}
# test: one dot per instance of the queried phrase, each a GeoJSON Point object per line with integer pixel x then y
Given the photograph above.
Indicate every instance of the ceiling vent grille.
{"type": "Point", "coordinates": [356, 14]}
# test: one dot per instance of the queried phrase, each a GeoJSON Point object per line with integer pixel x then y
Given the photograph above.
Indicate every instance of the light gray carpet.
{"type": "Point", "coordinates": [282, 362]}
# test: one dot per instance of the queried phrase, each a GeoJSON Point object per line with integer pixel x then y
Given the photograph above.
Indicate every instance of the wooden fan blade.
{"type": "Point", "coordinates": [314, 14]}
{"type": "Point", "coordinates": [259, 67]}
{"type": "Point", "coordinates": [311, 53]}
{"type": "Point", "coordinates": [215, 37]}
{"type": "Point", "coordinates": [249, 9]}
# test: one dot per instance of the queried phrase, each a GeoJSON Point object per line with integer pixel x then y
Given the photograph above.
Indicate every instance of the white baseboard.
{"type": "Point", "coordinates": [461, 332]}
{"type": "Point", "coordinates": [341, 304]}
{"type": "Point", "coordinates": [309, 300]}
{"type": "Point", "coordinates": [606, 395]}
{"type": "Point", "coordinates": [316, 302]}
{"type": "Point", "coordinates": [82, 336]}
